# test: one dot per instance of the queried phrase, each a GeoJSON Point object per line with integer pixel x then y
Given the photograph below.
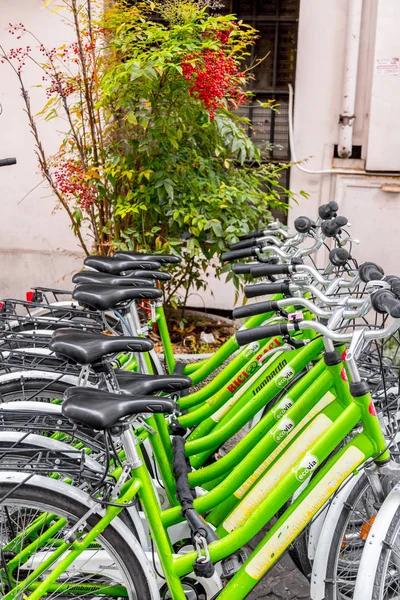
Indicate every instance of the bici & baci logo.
{"type": "Point", "coordinates": [251, 368]}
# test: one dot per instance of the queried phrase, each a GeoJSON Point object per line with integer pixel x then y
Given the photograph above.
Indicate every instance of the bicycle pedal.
{"type": "Point", "coordinates": [232, 564]}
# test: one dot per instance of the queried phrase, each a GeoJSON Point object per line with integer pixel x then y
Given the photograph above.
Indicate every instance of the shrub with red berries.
{"type": "Point", "coordinates": [152, 157]}
{"type": "Point", "coordinates": [215, 79]}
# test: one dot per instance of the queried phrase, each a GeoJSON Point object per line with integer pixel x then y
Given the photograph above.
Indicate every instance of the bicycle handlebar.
{"type": "Point", "coordinates": [339, 257]}
{"type": "Point", "coordinates": [304, 224]}
{"type": "Point", "coordinates": [255, 309]}
{"type": "Point", "coordinates": [253, 234]}
{"type": "Point", "coordinates": [246, 336]}
{"type": "Point", "coordinates": [245, 268]}
{"type": "Point", "coordinates": [263, 241]}
{"type": "Point", "coordinates": [243, 244]}
{"type": "Point", "coordinates": [7, 162]}
{"type": "Point", "coordinates": [333, 226]}
{"type": "Point", "coordinates": [267, 270]}
{"type": "Point", "coordinates": [394, 284]}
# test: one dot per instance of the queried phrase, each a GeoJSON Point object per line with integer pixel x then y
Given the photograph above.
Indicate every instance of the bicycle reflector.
{"type": "Point", "coordinates": [30, 296]}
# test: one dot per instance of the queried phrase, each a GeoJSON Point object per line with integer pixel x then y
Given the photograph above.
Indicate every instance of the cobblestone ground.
{"type": "Point", "coordinates": [284, 581]}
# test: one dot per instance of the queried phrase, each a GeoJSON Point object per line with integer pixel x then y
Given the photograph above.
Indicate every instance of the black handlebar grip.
{"type": "Point", "coordinates": [395, 288]}
{"type": "Point", "coordinates": [245, 268]}
{"type": "Point", "coordinates": [255, 309]}
{"type": "Point", "coordinates": [324, 212]}
{"type": "Point", "coordinates": [242, 268]}
{"type": "Point", "coordinates": [341, 221]}
{"type": "Point", "coordinates": [394, 284]}
{"type": "Point", "coordinates": [252, 234]}
{"type": "Point", "coordinates": [334, 206]}
{"type": "Point", "coordinates": [303, 224]}
{"type": "Point", "coordinates": [333, 226]}
{"type": "Point", "coordinates": [328, 211]}
{"type": "Point", "coordinates": [244, 244]}
{"type": "Point", "coordinates": [384, 301]}
{"type": "Point", "coordinates": [267, 270]}
{"type": "Point", "coordinates": [297, 260]}
{"type": "Point", "coordinates": [369, 271]}
{"type": "Point", "coordinates": [235, 254]}
{"type": "Point", "coordinates": [7, 162]}
{"type": "Point", "coordinates": [246, 336]}
{"type": "Point", "coordinates": [263, 289]}
{"type": "Point", "coordinates": [339, 257]}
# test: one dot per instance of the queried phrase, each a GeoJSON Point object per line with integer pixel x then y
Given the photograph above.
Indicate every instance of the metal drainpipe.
{"type": "Point", "coordinates": [347, 116]}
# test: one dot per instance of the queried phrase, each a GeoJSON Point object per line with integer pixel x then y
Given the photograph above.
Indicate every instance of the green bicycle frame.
{"type": "Point", "coordinates": [199, 371]}
{"type": "Point", "coordinates": [330, 426]}
{"type": "Point", "coordinates": [263, 446]}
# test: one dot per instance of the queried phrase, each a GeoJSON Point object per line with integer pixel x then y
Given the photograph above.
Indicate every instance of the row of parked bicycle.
{"type": "Point", "coordinates": [114, 480]}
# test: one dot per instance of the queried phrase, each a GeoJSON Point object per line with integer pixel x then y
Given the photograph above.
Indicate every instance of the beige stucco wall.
{"type": "Point", "coordinates": [37, 246]}
{"type": "Point", "coordinates": [373, 213]}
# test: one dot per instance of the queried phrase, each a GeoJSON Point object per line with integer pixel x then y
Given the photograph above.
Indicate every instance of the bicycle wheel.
{"type": "Point", "coordinates": [109, 568]}
{"type": "Point", "coordinates": [386, 584]}
{"type": "Point", "coordinates": [26, 409]}
{"type": "Point", "coordinates": [39, 390]}
{"type": "Point", "coordinates": [348, 541]}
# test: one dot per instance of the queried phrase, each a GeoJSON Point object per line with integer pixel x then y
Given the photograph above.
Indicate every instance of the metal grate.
{"type": "Point", "coordinates": [277, 22]}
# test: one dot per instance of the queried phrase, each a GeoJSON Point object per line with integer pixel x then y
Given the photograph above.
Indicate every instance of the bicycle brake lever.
{"type": "Point", "coordinates": [350, 240]}
{"type": "Point", "coordinates": [379, 283]}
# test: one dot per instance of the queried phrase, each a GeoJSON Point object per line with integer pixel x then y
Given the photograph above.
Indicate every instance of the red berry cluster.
{"type": "Point", "coordinates": [70, 180]}
{"type": "Point", "coordinates": [18, 55]}
{"type": "Point", "coordinates": [58, 85]}
{"type": "Point", "coordinates": [223, 36]}
{"type": "Point", "coordinates": [215, 80]}
{"type": "Point", "coordinates": [18, 28]}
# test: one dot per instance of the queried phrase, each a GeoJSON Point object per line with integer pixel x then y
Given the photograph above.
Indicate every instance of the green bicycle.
{"type": "Point", "coordinates": [62, 545]}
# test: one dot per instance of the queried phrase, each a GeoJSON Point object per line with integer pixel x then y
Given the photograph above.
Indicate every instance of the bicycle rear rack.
{"type": "Point", "coordinates": [20, 315]}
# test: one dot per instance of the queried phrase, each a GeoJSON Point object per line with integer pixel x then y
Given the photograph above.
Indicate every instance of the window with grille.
{"type": "Point", "coordinates": [277, 23]}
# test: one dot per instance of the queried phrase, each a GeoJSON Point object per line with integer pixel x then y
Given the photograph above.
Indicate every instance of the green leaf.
{"type": "Point", "coordinates": [131, 118]}
{"type": "Point", "coordinates": [169, 189]}
{"type": "Point", "coordinates": [78, 216]}
{"type": "Point", "coordinates": [51, 115]}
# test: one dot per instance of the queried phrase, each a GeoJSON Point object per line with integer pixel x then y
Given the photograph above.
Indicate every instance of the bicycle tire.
{"type": "Point", "coordinates": [36, 495]}
{"type": "Point", "coordinates": [381, 588]}
{"type": "Point", "coordinates": [39, 390]}
{"type": "Point", "coordinates": [350, 549]}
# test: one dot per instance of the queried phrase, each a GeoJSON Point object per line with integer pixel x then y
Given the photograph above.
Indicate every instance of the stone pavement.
{"type": "Point", "coordinates": [283, 582]}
